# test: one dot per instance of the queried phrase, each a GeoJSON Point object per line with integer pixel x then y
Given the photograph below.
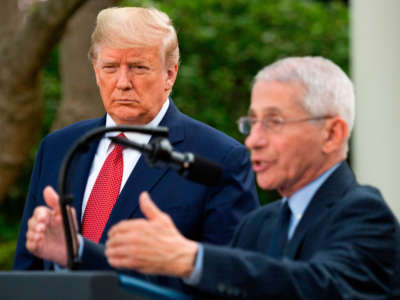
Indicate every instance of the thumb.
{"type": "Point", "coordinates": [147, 206]}
{"type": "Point", "coordinates": [51, 198]}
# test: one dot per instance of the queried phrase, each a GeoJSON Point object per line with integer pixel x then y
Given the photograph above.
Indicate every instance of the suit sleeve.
{"type": "Point", "coordinates": [232, 200]}
{"type": "Point", "coordinates": [23, 259]}
{"type": "Point", "coordinates": [357, 260]}
{"type": "Point", "coordinates": [94, 258]}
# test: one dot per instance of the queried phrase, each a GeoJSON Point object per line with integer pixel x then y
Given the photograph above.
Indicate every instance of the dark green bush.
{"type": "Point", "coordinates": [225, 43]}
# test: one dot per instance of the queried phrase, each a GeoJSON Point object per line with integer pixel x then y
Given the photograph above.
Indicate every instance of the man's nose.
{"type": "Point", "coordinates": [257, 137]}
{"type": "Point", "coordinates": [124, 80]}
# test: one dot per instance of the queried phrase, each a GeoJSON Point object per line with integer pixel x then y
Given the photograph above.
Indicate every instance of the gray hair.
{"type": "Point", "coordinates": [328, 90]}
{"type": "Point", "coordinates": [128, 27]}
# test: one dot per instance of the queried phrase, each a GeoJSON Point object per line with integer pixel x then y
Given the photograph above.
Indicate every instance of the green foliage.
{"type": "Point", "coordinates": [51, 90]}
{"type": "Point", "coordinates": [225, 43]}
{"type": "Point", "coordinates": [7, 250]}
{"type": "Point", "coordinates": [8, 232]}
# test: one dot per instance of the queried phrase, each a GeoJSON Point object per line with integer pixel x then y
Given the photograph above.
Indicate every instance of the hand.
{"type": "Point", "coordinates": [45, 236]}
{"type": "Point", "coordinates": [152, 245]}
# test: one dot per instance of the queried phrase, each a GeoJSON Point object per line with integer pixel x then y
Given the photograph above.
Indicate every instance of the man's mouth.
{"type": "Point", "coordinates": [261, 165]}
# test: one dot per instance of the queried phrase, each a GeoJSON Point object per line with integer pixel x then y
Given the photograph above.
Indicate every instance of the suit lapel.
{"type": "Point", "coordinates": [331, 190]}
{"type": "Point", "coordinates": [264, 238]}
{"type": "Point", "coordinates": [144, 177]}
{"type": "Point", "coordinates": [80, 171]}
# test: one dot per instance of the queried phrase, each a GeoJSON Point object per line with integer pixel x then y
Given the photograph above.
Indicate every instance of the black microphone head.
{"type": "Point", "coordinates": [203, 171]}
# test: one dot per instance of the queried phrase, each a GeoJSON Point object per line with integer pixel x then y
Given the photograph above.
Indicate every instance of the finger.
{"type": "Point", "coordinates": [122, 258]}
{"type": "Point", "coordinates": [118, 228]}
{"type": "Point", "coordinates": [51, 198]}
{"type": "Point", "coordinates": [33, 238]}
{"type": "Point", "coordinates": [117, 251]}
{"type": "Point", "coordinates": [127, 226]}
{"type": "Point", "coordinates": [147, 206]}
{"type": "Point", "coordinates": [120, 262]}
{"type": "Point", "coordinates": [41, 215]}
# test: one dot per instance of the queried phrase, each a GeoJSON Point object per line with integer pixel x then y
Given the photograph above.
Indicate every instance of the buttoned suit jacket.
{"type": "Point", "coordinates": [200, 212]}
{"type": "Point", "coordinates": [346, 246]}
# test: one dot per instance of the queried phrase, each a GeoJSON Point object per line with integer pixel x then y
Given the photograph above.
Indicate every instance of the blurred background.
{"type": "Point", "coordinates": [46, 81]}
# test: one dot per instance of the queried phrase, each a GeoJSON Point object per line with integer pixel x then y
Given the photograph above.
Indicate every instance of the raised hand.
{"type": "Point", "coordinates": [152, 245]}
{"type": "Point", "coordinates": [45, 236]}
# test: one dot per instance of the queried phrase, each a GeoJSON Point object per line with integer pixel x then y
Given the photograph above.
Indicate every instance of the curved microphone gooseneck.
{"type": "Point", "coordinates": [82, 145]}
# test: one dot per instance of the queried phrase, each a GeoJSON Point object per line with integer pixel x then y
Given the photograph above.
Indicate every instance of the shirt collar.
{"type": "Point", "coordinates": [299, 201]}
{"type": "Point", "coordinates": [137, 137]}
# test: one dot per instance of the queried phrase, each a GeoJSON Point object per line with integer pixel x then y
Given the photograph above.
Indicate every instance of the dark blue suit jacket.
{"type": "Point", "coordinates": [200, 212]}
{"type": "Point", "coordinates": [346, 246]}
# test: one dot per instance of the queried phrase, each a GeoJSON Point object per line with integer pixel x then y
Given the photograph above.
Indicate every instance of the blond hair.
{"type": "Point", "coordinates": [128, 27]}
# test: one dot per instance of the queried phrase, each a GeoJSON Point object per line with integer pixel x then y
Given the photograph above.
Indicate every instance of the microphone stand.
{"type": "Point", "coordinates": [66, 199]}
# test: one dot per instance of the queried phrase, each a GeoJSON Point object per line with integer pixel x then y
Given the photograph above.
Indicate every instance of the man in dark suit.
{"type": "Point", "coordinates": [135, 58]}
{"type": "Point", "coordinates": [328, 238]}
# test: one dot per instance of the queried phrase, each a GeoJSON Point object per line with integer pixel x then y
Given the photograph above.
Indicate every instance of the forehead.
{"type": "Point", "coordinates": [276, 97]}
{"type": "Point", "coordinates": [145, 53]}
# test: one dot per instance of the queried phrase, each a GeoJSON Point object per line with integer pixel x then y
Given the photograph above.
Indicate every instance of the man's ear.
{"type": "Point", "coordinates": [172, 72]}
{"type": "Point", "coordinates": [335, 134]}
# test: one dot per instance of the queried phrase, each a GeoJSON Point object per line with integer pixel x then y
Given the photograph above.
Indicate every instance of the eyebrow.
{"type": "Point", "coordinates": [265, 111]}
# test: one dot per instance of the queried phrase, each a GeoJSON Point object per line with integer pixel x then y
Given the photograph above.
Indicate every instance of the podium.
{"type": "Point", "coordinates": [79, 285]}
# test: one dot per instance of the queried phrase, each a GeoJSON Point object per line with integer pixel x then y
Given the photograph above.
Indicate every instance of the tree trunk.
{"type": "Point", "coordinates": [80, 95]}
{"type": "Point", "coordinates": [25, 45]}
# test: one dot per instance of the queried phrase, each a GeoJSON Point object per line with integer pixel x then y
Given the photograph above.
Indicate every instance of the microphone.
{"type": "Point", "coordinates": [159, 153]}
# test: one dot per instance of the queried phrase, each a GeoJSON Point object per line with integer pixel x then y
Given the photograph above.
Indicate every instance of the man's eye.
{"type": "Point", "coordinates": [276, 121]}
{"type": "Point", "coordinates": [273, 122]}
{"type": "Point", "coordinates": [140, 68]}
{"type": "Point", "coordinates": [109, 68]}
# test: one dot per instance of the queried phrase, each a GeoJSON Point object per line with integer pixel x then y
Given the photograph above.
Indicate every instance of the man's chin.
{"type": "Point", "coordinates": [125, 118]}
{"type": "Point", "coordinates": [266, 184]}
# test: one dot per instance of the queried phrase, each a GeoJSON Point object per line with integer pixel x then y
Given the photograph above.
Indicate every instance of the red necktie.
{"type": "Point", "coordinates": [104, 195]}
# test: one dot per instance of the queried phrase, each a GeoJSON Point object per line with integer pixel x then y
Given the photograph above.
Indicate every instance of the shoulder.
{"type": "Point", "coordinates": [71, 133]}
{"type": "Point", "coordinates": [203, 130]}
{"type": "Point", "coordinates": [364, 197]}
{"type": "Point", "coordinates": [363, 211]}
{"type": "Point", "coordinates": [206, 140]}
{"type": "Point", "coordinates": [343, 192]}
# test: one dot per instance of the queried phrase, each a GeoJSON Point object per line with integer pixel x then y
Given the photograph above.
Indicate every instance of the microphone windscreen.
{"type": "Point", "coordinates": [204, 171]}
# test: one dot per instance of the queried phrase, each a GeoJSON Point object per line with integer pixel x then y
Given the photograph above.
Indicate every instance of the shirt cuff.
{"type": "Point", "coordinates": [80, 249]}
{"type": "Point", "coordinates": [195, 277]}
{"type": "Point", "coordinates": [58, 268]}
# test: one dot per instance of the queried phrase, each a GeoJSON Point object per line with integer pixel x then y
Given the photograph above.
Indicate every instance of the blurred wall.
{"type": "Point", "coordinates": [376, 73]}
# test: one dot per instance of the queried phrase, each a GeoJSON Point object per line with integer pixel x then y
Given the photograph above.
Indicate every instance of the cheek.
{"type": "Point", "coordinates": [106, 85]}
{"type": "Point", "coordinates": [286, 162]}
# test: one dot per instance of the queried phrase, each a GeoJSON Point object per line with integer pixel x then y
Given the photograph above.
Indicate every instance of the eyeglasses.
{"type": "Point", "coordinates": [274, 124]}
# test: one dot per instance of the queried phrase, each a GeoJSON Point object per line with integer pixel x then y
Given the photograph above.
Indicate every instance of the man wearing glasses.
{"type": "Point", "coordinates": [328, 238]}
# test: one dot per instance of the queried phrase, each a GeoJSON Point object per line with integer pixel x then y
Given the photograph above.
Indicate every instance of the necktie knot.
{"type": "Point", "coordinates": [118, 147]}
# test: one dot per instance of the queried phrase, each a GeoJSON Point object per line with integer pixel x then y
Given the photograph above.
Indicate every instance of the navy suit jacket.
{"type": "Point", "coordinates": [346, 246]}
{"type": "Point", "coordinates": [200, 212]}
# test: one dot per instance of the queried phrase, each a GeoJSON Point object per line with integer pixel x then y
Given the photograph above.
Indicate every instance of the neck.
{"type": "Point", "coordinates": [306, 178]}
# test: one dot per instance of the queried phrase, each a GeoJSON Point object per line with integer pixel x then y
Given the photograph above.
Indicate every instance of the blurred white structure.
{"type": "Point", "coordinates": [375, 35]}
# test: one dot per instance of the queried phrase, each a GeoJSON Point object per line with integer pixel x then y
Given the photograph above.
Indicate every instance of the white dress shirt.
{"type": "Point", "coordinates": [130, 156]}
